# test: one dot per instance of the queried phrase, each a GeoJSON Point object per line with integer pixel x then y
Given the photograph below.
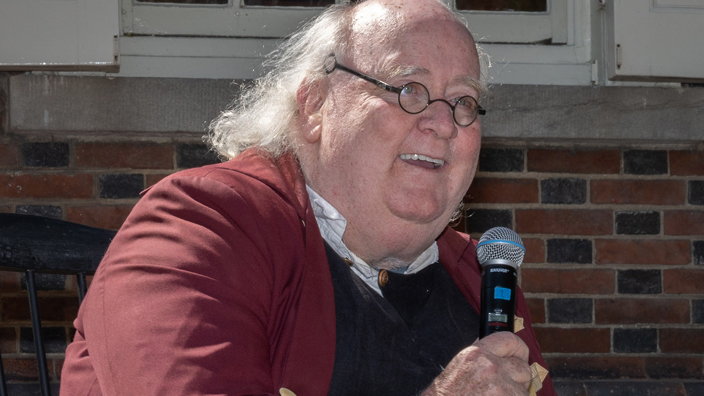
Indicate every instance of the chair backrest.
{"type": "Point", "coordinates": [33, 244]}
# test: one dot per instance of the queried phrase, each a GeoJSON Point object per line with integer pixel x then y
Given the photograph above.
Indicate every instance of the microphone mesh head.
{"type": "Point", "coordinates": [500, 243]}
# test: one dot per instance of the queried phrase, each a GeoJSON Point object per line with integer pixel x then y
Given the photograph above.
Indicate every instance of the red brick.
{"type": "Point", "coordinates": [496, 190]}
{"type": "Point", "coordinates": [579, 340]}
{"type": "Point", "coordinates": [9, 281]}
{"type": "Point", "coordinates": [583, 281]}
{"type": "Point", "coordinates": [573, 161]}
{"type": "Point", "coordinates": [536, 306]}
{"type": "Point", "coordinates": [46, 186]}
{"type": "Point", "coordinates": [674, 367]}
{"type": "Point", "coordinates": [8, 340]}
{"type": "Point", "coordinates": [592, 367]}
{"type": "Point", "coordinates": [124, 155]}
{"type": "Point", "coordinates": [106, 216]}
{"type": "Point", "coordinates": [641, 310]}
{"type": "Point", "coordinates": [153, 179]}
{"type": "Point", "coordinates": [20, 370]}
{"type": "Point", "coordinates": [643, 192]}
{"type": "Point", "coordinates": [683, 281]}
{"type": "Point", "coordinates": [684, 222]}
{"type": "Point", "coordinates": [564, 221]}
{"type": "Point", "coordinates": [51, 309]}
{"type": "Point", "coordinates": [58, 366]}
{"type": "Point", "coordinates": [535, 250]}
{"type": "Point", "coordinates": [9, 156]}
{"type": "Point", "coordinates": [6, 209]}
{"type": "Point", "coordinates": [642, 251]}
{"type": "Point", "coordinates": [72, 283]}
{"type": "Point", "coordinates": [682, 340]}
{"type": "Point", "coordinates": [687, 163]}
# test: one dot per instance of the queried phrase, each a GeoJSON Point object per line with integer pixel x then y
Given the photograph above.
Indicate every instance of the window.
{"type": "Point", "coordinates": [497, 21]}
{"type": "Point", "coordinates": [211, 18]}
{"type": "Point", "coordinates": [228, 39]}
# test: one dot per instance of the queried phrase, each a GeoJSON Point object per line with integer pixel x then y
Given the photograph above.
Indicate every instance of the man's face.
{"type": "Point", "coordinates": [366, 155]}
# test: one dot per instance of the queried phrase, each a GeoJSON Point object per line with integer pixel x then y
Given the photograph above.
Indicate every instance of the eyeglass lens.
{"type": "Point", "coordinates": [414, 98]}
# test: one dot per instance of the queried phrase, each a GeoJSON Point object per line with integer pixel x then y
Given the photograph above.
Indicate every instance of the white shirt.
{"type": "Point", "coordinates": [332, 227]}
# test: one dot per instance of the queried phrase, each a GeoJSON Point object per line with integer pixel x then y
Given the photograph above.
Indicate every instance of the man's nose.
{"type": "Point", "coordinates": [438, 117]}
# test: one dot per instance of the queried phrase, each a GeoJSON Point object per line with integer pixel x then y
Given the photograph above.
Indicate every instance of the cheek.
{"type": "Point", "coordinates": [367, 132]}
{"type": "Point", "coordinates": [469, 152]}
{"type": "Point", "coordinates": [471, 143]}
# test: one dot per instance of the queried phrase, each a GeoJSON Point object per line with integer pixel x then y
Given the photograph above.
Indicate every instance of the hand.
{"type": "Point", "coordinates": [496, 365]}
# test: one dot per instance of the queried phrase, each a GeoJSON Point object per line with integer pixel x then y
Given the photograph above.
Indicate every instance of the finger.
{"type": "Point", "coordinates": [504, 344]}
{"type": "Point", "coordinates": [518, 370]}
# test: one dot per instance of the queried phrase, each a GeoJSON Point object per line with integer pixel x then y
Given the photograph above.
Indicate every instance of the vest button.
{"type": "Point", "coordinates": [383, 278]}
{"type": "Point", "coordinates": [348, 262]}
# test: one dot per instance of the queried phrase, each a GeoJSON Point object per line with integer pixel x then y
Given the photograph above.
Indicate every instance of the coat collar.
{"type": "Point", "coordinates": [458, 256]}
{"type": "Point", "coordinates": [283, 174]}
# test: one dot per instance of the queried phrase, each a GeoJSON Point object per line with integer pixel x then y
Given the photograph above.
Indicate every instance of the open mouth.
{"type": "Point", "coordinates": [422, 160]}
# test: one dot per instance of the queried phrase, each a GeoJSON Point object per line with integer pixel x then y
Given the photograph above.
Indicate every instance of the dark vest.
{"type": "Point", "coordinates": [396, 344]}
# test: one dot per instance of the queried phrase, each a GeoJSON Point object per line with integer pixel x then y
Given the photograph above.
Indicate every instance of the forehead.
{"type": "Point", "coordinates": [422, 38]}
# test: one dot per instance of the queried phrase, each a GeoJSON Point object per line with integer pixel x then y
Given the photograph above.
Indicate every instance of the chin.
{"type": "Point", "coordinates": [423, 208]}
{"type": "Point", "coordinates": [411, 214]}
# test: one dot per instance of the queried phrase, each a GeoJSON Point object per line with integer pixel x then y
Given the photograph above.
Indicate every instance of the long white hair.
{"type": "Point", "coordinates": [264, 114]}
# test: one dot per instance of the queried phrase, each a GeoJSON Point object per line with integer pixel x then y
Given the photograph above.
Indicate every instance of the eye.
{"type": "Point", "coordinates": [465, 101]}
{"type": "Point", "coordinates": [409, 89]}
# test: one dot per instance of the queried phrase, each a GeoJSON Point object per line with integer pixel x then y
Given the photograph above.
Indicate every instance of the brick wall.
{"type": "Point", "coordinates": [614, 272]}
{"type": "Point", "coordinates": [89, 181]}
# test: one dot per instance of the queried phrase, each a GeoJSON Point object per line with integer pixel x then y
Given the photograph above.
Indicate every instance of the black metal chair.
{"type": "Point", "coordinates": [33, 244]}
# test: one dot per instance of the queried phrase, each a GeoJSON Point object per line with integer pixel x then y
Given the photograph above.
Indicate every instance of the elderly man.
{"type": "Point", "coordinates": [318, 260]}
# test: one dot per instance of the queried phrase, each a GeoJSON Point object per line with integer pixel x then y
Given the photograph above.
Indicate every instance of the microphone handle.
{"type": "Point", "coordinates": [498, 298]}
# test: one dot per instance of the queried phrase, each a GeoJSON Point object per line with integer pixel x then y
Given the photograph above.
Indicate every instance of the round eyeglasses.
{"type": "Point", "coordinates": [414, 97]}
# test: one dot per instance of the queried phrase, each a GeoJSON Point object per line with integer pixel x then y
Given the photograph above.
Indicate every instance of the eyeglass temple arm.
{"type": "Point", "coordinates": [372, 80]}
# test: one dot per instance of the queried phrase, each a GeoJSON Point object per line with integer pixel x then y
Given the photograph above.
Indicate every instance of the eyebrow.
{"type": "Point", "coordinates": [405, 71]}
{"type": "Point", "coordinates": [478, 86]}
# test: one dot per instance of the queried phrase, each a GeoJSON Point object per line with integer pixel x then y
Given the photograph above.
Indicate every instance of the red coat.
{"type": "Point", "coordinates": [218, 284]}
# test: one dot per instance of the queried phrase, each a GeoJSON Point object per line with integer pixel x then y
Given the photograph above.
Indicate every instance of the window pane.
{"type": "Point", "coordinates": [289, 3]}
{"type": "Point", "coordinates": [184, 1]}
{"type": "Point", "coordinates": [503, 5]}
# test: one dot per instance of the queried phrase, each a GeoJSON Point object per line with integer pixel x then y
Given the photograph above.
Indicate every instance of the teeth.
{"type": "Point", "coordinates": [436, 162]}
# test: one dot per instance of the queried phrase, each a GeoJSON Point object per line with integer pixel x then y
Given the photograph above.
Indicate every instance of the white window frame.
{"type": "Point", "coordinates": [230, 20]}
{"type": "Point", "coordinates": [59, 35]}
{"type": "Point", "coordinates": [521, 27]}
{"type": "Point", "coordinates": [655, 40]}
{"type": "Point", "coordinates": [162, 41]}
{"type": "Point", "coordinates": [236, 20]}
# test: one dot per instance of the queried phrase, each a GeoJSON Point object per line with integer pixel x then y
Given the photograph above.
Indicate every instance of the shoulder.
{"type": "Point", "coordinates": [249, 172]}
{"type": "Point", "coordinates": [243, 205]}
{"type": "Point", "coordinates": [250, 181]}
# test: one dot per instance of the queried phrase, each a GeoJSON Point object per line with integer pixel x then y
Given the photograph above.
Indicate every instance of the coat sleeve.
{"type": "Point", "coordinates": [188, 298]}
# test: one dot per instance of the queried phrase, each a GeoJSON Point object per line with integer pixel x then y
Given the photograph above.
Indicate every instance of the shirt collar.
{"type": "Point", "coordinates": [332, 227]}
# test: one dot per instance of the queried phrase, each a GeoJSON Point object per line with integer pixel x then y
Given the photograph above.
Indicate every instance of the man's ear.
{"type": "Point", "coordinates": [310, 98]}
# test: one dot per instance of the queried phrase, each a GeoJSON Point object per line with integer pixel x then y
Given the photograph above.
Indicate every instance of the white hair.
{"type": "Point", "coordinates": [265, 112]}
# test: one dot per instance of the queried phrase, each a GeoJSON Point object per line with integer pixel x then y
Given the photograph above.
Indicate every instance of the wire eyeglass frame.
{"type": "Point", "coordinates": [474, 110]}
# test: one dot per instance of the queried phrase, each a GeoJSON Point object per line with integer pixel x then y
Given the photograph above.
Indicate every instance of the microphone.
{"type": "Point", "coordinates": [500, 252]}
